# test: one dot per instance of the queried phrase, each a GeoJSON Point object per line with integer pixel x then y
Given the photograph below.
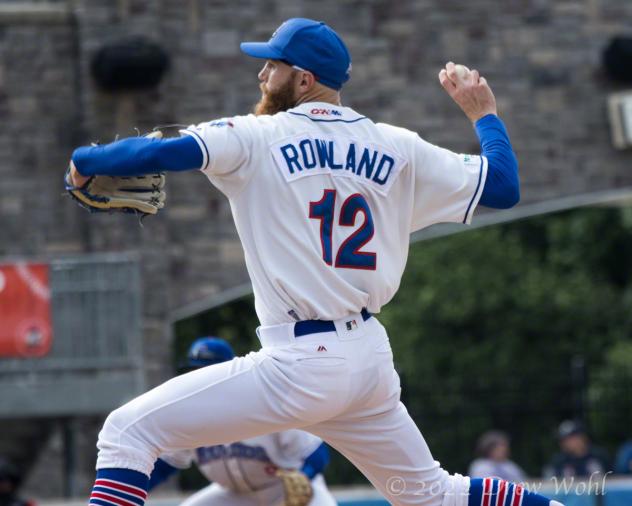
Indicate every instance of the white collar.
{"type": "Point", "coordinates": [325, 111]}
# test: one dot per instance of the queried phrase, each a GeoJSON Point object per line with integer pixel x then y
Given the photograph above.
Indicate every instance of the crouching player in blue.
{"type": "Point", "coordinates": [247, 472]}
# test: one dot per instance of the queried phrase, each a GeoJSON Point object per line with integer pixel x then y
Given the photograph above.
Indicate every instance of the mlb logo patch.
{"type": "Point", "coordinates": [351, 325]}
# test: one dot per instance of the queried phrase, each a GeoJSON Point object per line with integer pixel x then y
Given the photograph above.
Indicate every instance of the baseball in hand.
{"type": "Point", "coordinates": [469, 90]}
{"type": "Point", "coordinates": [462, 71]}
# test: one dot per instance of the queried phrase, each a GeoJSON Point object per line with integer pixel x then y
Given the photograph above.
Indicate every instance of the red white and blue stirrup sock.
{"type": "Point", "coordinates": [496, 492]}
{"type": "Point", "coordinates": [119, 487]}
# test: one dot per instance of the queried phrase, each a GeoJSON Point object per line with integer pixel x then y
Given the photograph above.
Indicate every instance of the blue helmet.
{"type": "Point", "coordinates": [208, 351]}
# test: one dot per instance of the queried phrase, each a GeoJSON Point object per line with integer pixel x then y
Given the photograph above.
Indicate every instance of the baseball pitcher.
{"type": "Point", "coordinates": [324, 200]}
{"type": "Point", "coordinates": [274, 469]}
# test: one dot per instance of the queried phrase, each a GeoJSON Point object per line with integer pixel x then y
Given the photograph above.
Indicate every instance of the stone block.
{"type": "Point", "coordinates": [220, 43]}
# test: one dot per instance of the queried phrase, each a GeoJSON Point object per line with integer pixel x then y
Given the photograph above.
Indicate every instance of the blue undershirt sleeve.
{"type": "Point", "coordinates": [161, 472]}
{"type": "Point", "coordinates": [502, 186]}
{"type": "Point", "coordinates": [316, 462]}
{"type": "Point", "coordinates": [137, 156]}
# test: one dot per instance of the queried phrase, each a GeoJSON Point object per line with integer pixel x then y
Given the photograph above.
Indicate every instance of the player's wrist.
{"type": "Point", "coordinates": [476, 117]}
{"type": "Point", "coordinates": [76, 178]}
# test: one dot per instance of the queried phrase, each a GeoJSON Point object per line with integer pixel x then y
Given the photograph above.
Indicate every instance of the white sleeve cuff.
{"type": "Point", "coordinates": [203, 147]}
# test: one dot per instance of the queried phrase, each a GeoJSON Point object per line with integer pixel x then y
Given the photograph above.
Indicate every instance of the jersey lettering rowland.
{"type": "Point", "coordinates": [304, 155]}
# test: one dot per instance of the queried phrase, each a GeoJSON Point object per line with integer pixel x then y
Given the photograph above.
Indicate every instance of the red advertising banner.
{"type": "Point", "coordinates": [25, 317]}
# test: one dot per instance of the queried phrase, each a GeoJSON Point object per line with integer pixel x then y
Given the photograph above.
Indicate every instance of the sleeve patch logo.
{"type": "Point", "coordinates": [221, 123]}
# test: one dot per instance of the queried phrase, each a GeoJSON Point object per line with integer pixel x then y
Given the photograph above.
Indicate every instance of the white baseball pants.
{"type": "Point", "coordinates": [341, 386]}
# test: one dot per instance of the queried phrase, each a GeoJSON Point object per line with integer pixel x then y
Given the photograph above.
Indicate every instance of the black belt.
{"type": "Point", "coordinates": [316, 326]}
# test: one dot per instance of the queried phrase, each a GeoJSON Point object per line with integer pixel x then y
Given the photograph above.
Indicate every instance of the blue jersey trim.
{"type": "Point", "coordinates": [316, 462]}
{"type": "Point", "coordinates": [327, 120]}
{"type": "Point", "coordinates": [478, 186]}
{"type": "Point", "coordinates": [208, 156]}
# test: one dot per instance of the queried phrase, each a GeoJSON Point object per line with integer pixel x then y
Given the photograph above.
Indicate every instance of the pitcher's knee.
{"type": "Point", "coordinates": [125, 443]}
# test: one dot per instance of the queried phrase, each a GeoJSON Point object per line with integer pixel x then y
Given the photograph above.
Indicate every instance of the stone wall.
{"type": "Point", "coordinates": [541, 57]}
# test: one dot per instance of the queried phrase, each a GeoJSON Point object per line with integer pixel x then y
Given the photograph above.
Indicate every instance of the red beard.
{"type": "Point", "coordinates": [276, 101]}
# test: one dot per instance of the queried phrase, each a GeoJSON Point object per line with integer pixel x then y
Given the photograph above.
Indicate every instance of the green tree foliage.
{"type": "Point", "coordinates": [487, 324]}
{"type": "Point", "coordinates": [489, 329]}
{"type": "Point", "coordinates": [610, 395]}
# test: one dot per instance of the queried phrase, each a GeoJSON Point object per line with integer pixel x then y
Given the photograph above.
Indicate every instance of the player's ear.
{"type": "Point", "coordinates": [306, 80]}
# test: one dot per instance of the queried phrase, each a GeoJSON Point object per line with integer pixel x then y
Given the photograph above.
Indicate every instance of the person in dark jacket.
{"type": "Point", "coordinates": [578, 456]}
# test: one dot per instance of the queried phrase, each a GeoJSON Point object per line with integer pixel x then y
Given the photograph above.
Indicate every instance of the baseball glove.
{"type": "Point", "coordinates": [141, 195]}
{"type": "Point", "coordinates": [297, 487]}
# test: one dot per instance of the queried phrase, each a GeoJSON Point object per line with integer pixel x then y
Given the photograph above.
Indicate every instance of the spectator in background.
{"type": "Point", "coordinates": [9, 483]}
{"type": "Point", "coordinates": [578, 456]}
{"type": "Point", "coordinates": [493, 450]}
{"type": "Point", "coordinates": [624, 459]}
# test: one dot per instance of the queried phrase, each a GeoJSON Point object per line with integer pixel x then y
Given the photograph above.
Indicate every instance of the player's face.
{"type": "Point", "coordinates": [278, 90]}
{"type": "Point", "coordinates": [500, 452]}
{"type": "Point", "coordinates": [575, 444]}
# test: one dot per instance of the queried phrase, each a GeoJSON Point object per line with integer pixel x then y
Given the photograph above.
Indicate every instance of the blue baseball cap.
{"type": "Point", "coordinates": [208, 351]}
{"type": "Point", "coordinates": [310, 45]}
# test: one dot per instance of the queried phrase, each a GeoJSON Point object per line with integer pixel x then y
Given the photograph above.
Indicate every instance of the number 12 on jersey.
{"type": "Point", "coordinates": [349, 255]}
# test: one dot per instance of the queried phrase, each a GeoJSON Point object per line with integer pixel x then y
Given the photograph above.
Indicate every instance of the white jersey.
{"type": "Point", "coordinates": [249, 465]}
{"type": "Point", "coordinates": [324, 201]}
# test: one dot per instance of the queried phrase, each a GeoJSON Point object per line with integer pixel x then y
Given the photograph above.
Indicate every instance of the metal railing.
{"type": "Point", "coordinates": [97, 336]}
